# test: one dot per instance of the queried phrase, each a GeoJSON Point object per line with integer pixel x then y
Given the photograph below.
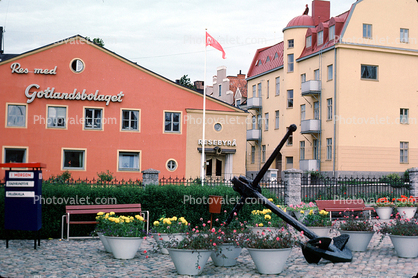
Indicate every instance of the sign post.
{"type": "Point", "coordinates": [22, 202]}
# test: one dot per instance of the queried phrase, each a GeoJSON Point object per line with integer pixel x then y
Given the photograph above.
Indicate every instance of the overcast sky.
{"type": "Point", "coordinates": [164, 36]}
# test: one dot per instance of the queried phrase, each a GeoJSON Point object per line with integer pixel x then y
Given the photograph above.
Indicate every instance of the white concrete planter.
{"type": "Point", "coordinates": [259, 230]}
{"type": "Point", "coordinates": [407, 212]}
{"type": "Point", "coordinates": [320, 231]}
{"type": "Point", "coordinates": [124, 247]}
{"type": "Point", "coordinates": [226, 255]}
{"type": "Point", "coordinates": [405, 246]}
{"type": "Point", "coordinates": [384, 213]}
{"type": "Point", "coordinates": [270, 261]}
{"type": "Point", "coordinates": [161, 238]}
{"type": "Point", "coordinates": [189, 262]}
{"type": "Point", "coordinates": [359, 240]}
{"type": "Point", "coordinates": [103, 239]}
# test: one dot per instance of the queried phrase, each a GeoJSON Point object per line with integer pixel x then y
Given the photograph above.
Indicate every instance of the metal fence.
{"type": "Point", "coordinates": [368, 189]}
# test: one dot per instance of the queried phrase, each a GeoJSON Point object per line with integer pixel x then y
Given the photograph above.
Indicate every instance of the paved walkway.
{"type": "Point", "coordinates": [87, 258]}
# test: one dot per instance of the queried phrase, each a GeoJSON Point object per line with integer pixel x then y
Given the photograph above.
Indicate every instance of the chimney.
{"type": "Point", "coordinates": [320, 11]}
{"type": "Point", "coordinates": [1, 39]}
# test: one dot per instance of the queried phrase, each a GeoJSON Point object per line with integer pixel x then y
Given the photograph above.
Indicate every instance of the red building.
{"type": "Point", "coordinates": [77, 106]}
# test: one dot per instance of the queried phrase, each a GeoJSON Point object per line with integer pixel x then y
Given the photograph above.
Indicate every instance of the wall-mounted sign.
{"type": "Point", "coordinates": [49, 93]}
{"type": "Point", "coordinates": [227, 143]}
{"type": "Point", "coordinates": [22, 194]}
{"type": "Point", "coordinates": [20, 184]}
{"type": "Point", "coordinates": [16, 68]}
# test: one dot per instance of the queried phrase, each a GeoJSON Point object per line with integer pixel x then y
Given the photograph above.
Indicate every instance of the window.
{"type": "Point", "coordinates": [290, 43]}
{"type": "Point", "coordinates": [77, 65]}
{"type": "Point", "coordinates": [302, 150]}
{"type": "Point", "coordinates": [93, 118]}
{"type": "Point", "coordinates": [290, 62]}
{"type": "Point", "coordinates": [277, 120]}
{"type": "Point", "coordinates": [217, 127]}
{"type": "Point", "coordinates": [252, 154]}
{"type": "Point", "coordinates": [315, 149]}
{"type": "Point", "coordinates": [316, 74]}
{"type": "Point", "coordinates": [259, 90]}
{"type": "Point", "coordinates": [277, 86]}
{"type": "Point", "coordinates": [276, 56]}
{"type": "Point", "coordinates": [404, 35]}
{"type": "Point", "coordinates": [289, 98]}
{"type": "Point", "coordinates": [266, 124]}
{"type": "Point", "coordinates": [316, 110]}
{"type": "Point", "coordinates": [332, 32]}
{"type": "Point", "coordinates": [289, 162]}
{"type": "Point", "coordinates": [268, 88]}
{"type": "Point", "coordinates": [309, 41]}
{"type": "Point", "coordinates": [303, 78]}
{"type": "Point", "coordinates": [15, 155]}
{"type": "Point", "coordinates": [404, 152]}
{"type": "Point", "coordinates": [172, 122]}
{"type": "Point", "coordinates": [238, 103]}
{"type": "Point", "coordinates": [259, 122]}
{"type": "Point", "coordinates": [290, 139]}
{"type": "Point", "coordinates": [329, 148]}
{"type": "Point", "coordinates": [16, 115]}
{"type": "Point", "coordinates": [254, 121]}
{"type": "Point", "coordinates": [330, 70]}
{"type": "Point", "coordinates": [267, 59]}
{"type": "Point", "coordinates": [254, 91]}
{"type": "Point", "coordinates": [329, 109]}
{"type": "Point", "coordinates": [263, 153]}
{"type": "Point", "coordinates": [56, 117]}
{"type": "Point", "coordinates": [171, 165]}
{"type": "Point", "coordinates": [367, 31]}
{"type": "Point", "coordinates": [369, 72]}
{"type": "Point", "coordinates": [320, 37]}
{"type": "Point", "coordinates": [220, 90]}
{"type": "Point", "coordinates": [130, 120]}
{"type": "Point", "coordinates": [302, 112]}
{"type": "Point", "coordinates": [128, 161]}
{"type": "Point", "coordinates": [73, 159]}
{"type": "Point", "coordinates": [404, 116]}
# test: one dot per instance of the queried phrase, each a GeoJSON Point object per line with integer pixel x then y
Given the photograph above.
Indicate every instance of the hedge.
{"type": "Point", "coordinates": [168, 200]}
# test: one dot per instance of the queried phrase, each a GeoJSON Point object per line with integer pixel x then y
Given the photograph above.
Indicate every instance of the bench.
{"type": "Point", "coordinates": [94, 209]}
{"type": "Point", "coordinates": [342, 205]}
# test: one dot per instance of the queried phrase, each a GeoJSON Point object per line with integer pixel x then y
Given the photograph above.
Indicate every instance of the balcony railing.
{"type": "Point", "coordinates": [254, 103]}
{"type": "Point", "coordinates": [309, 165]}
{"type": "Point", "coordinates": [311, 87]}
{"type": "Point", "coordinates": [254, 135]}
{"type": "Point", "coordinates": [310, 126]}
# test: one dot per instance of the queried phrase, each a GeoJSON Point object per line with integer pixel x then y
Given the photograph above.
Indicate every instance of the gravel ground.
{"type": "Point", "coordinates": [87, 258]}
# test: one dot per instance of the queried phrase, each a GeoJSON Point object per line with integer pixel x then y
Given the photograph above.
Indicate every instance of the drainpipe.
{"type": "Point", "coordinates": [335, 111]}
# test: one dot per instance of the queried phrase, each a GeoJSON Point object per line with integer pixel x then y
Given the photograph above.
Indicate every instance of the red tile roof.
{"type": "Point", "coordinates": [264, 59]}
{"type": "Point", "coordinates": [238, 82]}
{"type": "Point", "coordinates": [302, 20]}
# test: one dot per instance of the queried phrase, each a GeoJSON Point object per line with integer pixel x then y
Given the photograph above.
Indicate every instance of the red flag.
{"type": "Point", "coordinates": [214, 43]}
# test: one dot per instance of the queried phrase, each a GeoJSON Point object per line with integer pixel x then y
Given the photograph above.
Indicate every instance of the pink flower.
{"type": "Point", "coordinates": [204, 225]}
{"type": "Point", "coordinates": [201, 219]}
{"type": "Point", "coordinates": [216, 219]}
{"type": "Point", "coordinates": [214, 244]}
{"type": "Point", "coordinates": [235, 214]}
{"type": "Point", "coordinates": [198, 267]}
{"type": "Point", "coordinates": [277, 238]}
{"type": "Point", "coordinates": [235, 231]}
{"type": "Point", "coordinates": [213, 230]}
{"type": "Point", "coordinates": [146, 257]}
{"type": "Point", "coordinates": [145, 251]}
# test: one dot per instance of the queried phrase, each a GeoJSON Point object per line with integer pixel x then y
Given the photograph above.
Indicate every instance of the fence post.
{"type": "Point", "coordinates": [150, 177]}
{"type": "Point", "coordinates": [292, 186]}
{"type": "Point", "coordinates": [413, 181]}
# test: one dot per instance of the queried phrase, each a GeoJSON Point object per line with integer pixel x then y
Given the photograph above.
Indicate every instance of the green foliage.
{"type": "Point", "coordinates": [105, 176]}
{"type": "Point", "coordinates": [188, 201]}
{"type": "Point", "coordinates": [63, 178]}
{"type": "Point", "coordinates": [185, 81]}
{"type": "Point", "coordinates": [97, 41]}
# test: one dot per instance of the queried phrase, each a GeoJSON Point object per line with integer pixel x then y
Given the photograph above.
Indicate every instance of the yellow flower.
{"type": "Point", "coordinates": [112, 213]}
{"type": "Point", "coordinates": [117, 220]}
{"type": "Point", "coordinates": [139, 217]}
{"type": "Point", "coordinates": [97, 217]}
{"type": "Point", "coordinates": [302, 211]}
{"type": "Point", "coordinates": [100, 213]}
{"type": "Point", "coordinates": [156, 223]}
{"type": "Point", "coordinates": [270, 199]}
{"type": "Point", "coordinates": [260, 225]}
{"type": "Point", "coordinates": [174, 218]}
{"type": "Point", "coordinates": [311, 212]}
{"type": "Point", "coordinates": [267, 217]}
{"type": "Point", "coordinates": [128, 220]}
{"type": "Point", "coordinates": [168, 222]}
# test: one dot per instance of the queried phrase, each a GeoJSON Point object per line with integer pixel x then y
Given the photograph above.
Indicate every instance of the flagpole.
{"type": "Point", "coordinates": [202, 163]}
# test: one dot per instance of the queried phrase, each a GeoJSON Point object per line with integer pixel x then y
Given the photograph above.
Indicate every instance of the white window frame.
{"type": "Point", "coordinates": [7, 149]}
{"type": "Point", "coordinates": [320, 38]}
{"type": "Point", "coordinates": [290, 98]}
{"type": "Point", "coordinates": [303, 112]}
{"type": "Point", "coordinates": [367, 31]}
{"type": "Point", "coordinates": [52, 122]}
{"type": "Point", "coordinates": [277, 120]}
{"type": "Point", "coordinates": [404, 35]}
{"type": "Point", "coordinates": [12, 119]}
{"type": "Point", "coordinates": [404, 116]}
{"type": "Point", "coordinates": [369, 75]}
{"type": "Point", "coordinates": [290, 62]}
{"type": "Point", "coordinates": [254, 95]}
{"type": "Point", "coordinates": [316, 110]}
{"type": "Point", "coordinates": [83, 152]}
{"type": "Point", "coordinates": [134, 156]}
{"type": "Point", "coordinates": [263, 153]}
{"type": "Point", "coordinates": [252, 154]}
{"type": "Point", "coordinates": [302, 150]}
{"type": "Point", "coordinates": [404, 147]}
{"type": "Point", "coordinates": [308, 41]}
{"type": "Point", "coordinates": [290, 43]}
{"type": "Point", "coordinates": [332, 32]}
{"type": "Point", "coordinates": [330, 72]}
{"type": "Point", "coordinates": [315, 149]}
{"type": "Point", "coordinates": [329, 109]}
{"type": "Point", "coordinates": [94, 125]}
{"type": "Point", "coordinates": [303, 78]}
{"type": "Point", "coordinates": [172, 131]}
{"type": "Point", "coordinates": [129, 120]}
{"type": "Point", "coordinates": [329, 148]}
{"type": "Point", "coordinates": [266, 121]}
{"type": "Point", "coordinates": [169, 165]}
{"type": "Point", "coordinates": [278, 86]}
{"type": "Point", "coordinates": [259, 89]}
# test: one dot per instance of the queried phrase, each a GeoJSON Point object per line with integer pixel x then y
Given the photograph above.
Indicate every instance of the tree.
{"type": "Point", "coordinates": [97, 41]}
{"type": "Point", "coordinates": [185, 81]}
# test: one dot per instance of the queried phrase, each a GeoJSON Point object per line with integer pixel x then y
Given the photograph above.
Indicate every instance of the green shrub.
{"type": "Point", "coordinates": [105, 176]}
{"type": "Point", "coordinates": [170, 200]}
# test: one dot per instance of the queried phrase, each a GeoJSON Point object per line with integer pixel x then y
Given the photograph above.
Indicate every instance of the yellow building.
{"type": "Point", "coordinates": [349, 82]}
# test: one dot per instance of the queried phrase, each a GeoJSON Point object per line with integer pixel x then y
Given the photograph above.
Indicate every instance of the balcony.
{"type": "Point", "coordinates": [310, 126]}
{"type": "Point", "coordinates": [311, 87]}
{"type": "Point", "coordinates": [254, 135]}
{"type": "Point", "coordinates": [309, 165]}
{"type": "Point", "coordinates": [254, 103]}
